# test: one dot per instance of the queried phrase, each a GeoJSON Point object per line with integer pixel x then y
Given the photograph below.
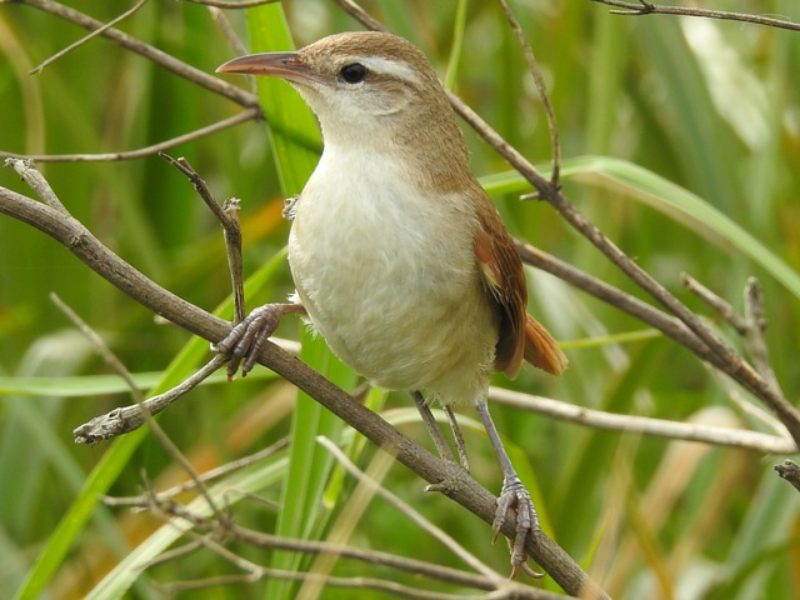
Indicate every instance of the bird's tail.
{"type": "Point", "coordinates": [541, 348]}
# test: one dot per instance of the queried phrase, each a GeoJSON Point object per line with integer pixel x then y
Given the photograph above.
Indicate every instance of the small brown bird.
{"type": "Point", "coordinates": [399, 257]}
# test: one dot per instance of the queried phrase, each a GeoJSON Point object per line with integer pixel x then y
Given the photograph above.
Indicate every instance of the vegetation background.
{"type": "Point", "coordinates": [713, 107]}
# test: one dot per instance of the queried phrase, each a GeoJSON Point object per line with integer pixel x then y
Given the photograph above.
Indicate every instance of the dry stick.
{"type": "Point", "coordinates": [207, 477]}
{"type": "Point", "coordinates": [227, 30]}
{"type": "Point", "coordinates": [228, 216]}
{"type": "Point", "coordinates": [36, 181]}
{"type": "Point", "coordinates": [754, 337]}
{"type": "Point", "coordinates": [790, 471]}
{"type": "Point", "coordinates": [642, 8]}
{"type": "Point", "coordinates": [231, 4]}
{"type": "Point", "coordinates": [541, 87]}
{"type": "Point", "coordinates": [413, 515]}
{"type": "Point", "coordinates": [233, 532]}
{"type": "Point", "coordinates": [159, 57]}
{"type": "Point", "coordinates": [125, 419]}
{"type": "Point", "coordinates": [466, 491]}
{"type": "Point", "coordinates": [117, 366]}
{"type": "Point", "coordinates": [85, 39]}
{"type": "Point", "coordinates": [719, 436]}
{"type": "Point", "coordinates": [246, 115]}
{"type": "Point", "coordinates": [721, 306]}
{"type": "Point", "coordinates": [751, 326]}
{"type": "Point", "coordinates": [211, 532]}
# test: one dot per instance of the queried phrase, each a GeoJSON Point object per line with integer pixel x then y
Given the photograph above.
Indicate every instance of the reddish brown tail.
{"type": "Point", "coordinates": [541, 349]}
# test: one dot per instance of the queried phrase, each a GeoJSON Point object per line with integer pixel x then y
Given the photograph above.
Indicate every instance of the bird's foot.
{"type": "Point", "coordinates": [242, 345]}
{"type": "Point", "coordinates": [515, 496]}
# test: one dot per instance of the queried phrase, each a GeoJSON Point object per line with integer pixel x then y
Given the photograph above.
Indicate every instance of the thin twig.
{"type": "Point", "coordinates": [541, 87]}
{"type": "Point", "coordinates": [721, 306]}
{"type": "Point", "coordinates": [647, 8]}
{"type": "Point", "coordinates": [231, 4]}
{"type": "Point", "coordinates": [412, 514]}
{"type": "Point", "coordinates": [141, 404]}
{"type": "Point", "coordinates": [159, 57]}
{"type": "Point", "coordinates": [125, 419]}
{"type": "Point", "coordinates": [719, 436]}
{"type": "Point", "coordinates": [206, 477]}
{"type": "Point", "coordinates": [83, 40]}
{"type": "Point", "coordinates": [228, 216]}
{"type": "Point", "coordinates": [267, 541]}
{"type": "Point", "coordinates": [647, 313]}
{"type": "Point", "coordinates": [790, 471]}
{"type": "Point", "coordinates": [754, 337]}
{"type": "Point", "coordinates": [227, 30]}
{"type": "Point", "coordinates": [28, 172]}
{"type": "Point", "coordinates": [246, 115]}
{"type": "Point", "coordinates": [359, 14]}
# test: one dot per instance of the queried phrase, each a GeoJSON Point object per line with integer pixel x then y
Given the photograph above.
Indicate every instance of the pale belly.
{"type": "Point", "coordinates": [377, 285]}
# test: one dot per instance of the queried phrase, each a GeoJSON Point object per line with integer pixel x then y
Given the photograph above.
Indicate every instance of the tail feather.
{"type": "Point", "coordinates": [541, 348]}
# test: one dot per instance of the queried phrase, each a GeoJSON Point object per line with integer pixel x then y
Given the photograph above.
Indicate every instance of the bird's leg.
{"type": "Point", "coordinates": [458, 437]}
{"type": "Point", "coordinates": [513, 495]}
{"type": "Point", "coordinates": [242, 344]}
{"type": "Point", "coordinates": [433, 428]}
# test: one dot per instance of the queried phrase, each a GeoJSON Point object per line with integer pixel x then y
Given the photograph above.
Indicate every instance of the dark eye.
{"type": "Point", "coordinates": [354, 73]}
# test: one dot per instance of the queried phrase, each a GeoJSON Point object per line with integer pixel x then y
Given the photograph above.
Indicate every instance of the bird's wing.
{"type": "Point", "coordinates": [521, 336]}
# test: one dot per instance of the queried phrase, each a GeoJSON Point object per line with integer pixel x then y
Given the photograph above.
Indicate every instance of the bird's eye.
{"type": "Point", "coordinates": [353, 73]}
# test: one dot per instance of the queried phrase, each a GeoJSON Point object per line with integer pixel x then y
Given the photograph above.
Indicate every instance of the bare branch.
{"type": "Point", "coordinates": [541, 87]}
{"type": "Point", "coordinates": [125, 419]}
{"type": "Point", "coordinates": [159, 57]}
{"type": "Point", "coordinates": [721, 306]}
{"type": "Point", "coordinates": [406, 509]}
{"type": "Point", "coordinates": [209, 533]}
{"type": "Point", "coordinates": [790, 471]}
{"type": "Point", "coordinates": [754, 336]}
{"type": "Point", "coordinates": [118, 367]}
{"type": "Point", "coordinates": [647, 8]}
{"type": "Point", "coordinates": [206, 477]}
{"type": "Point", "coordinates": [246, 115]}
{"type": "Point", "coordinates": [231, 4]}
{"type": "Point", "coordinates": [228, 216]}
{"type": "Point", "coordinates": [34, 179]}
{"type": "Point", "coordinates": [720, 436]}
{"type": "Point", "coordinates": [85, 39]}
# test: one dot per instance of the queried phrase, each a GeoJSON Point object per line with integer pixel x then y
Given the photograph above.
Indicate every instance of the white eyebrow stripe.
{"type": "Point", "coordinates": [396, 68]}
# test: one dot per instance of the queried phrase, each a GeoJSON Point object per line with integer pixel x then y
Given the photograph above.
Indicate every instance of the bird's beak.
{"type": "Point", "coordinates": [286, 65]}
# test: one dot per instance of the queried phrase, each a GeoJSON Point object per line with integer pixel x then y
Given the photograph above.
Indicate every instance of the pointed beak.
{"type": "Point", "coordinates": [286, 65]}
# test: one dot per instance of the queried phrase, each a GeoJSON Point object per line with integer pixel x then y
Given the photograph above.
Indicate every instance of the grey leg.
{"type": "Point", "coordinates": [513, 495]}
{"type": "Point", "coordinates": [433, 428]}
{"type": "Point", "coordinates": [458, 437]}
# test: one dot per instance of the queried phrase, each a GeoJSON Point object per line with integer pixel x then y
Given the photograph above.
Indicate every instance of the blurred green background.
{"type": "Point", "coordinates": [713, 107]}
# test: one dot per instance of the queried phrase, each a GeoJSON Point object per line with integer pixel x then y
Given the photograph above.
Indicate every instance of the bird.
{"type": "Point", "coordinates": [399, 257]}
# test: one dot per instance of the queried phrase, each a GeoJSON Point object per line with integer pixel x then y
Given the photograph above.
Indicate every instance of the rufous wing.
{"type": "Point", "coordinates": [521, 336]}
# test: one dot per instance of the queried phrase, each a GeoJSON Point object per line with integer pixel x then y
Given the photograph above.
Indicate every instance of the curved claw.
{"type": "Point", "coordinates": [242, 345]}
{"type": "Point", "coordinates": [515, 496]}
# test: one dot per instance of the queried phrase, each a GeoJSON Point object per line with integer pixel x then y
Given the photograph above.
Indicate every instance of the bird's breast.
{"type": "Point", "coordinates": [387, 272]}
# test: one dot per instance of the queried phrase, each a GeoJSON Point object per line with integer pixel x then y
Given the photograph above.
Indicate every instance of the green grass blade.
{"type": "Point", "coordinates": [98, 482]}
{"type": "Point", "coordinates": [457, 45]}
